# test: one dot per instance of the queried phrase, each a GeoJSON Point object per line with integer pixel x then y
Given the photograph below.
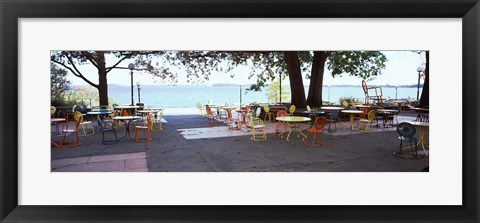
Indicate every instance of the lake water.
{"type": "Point", "coordinates": [184, 96]}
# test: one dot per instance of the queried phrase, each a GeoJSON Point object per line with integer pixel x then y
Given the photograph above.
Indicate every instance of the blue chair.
{"type": "Point", "coordinates": [333, 119]}
{"type": "Point", "coordinates": [107, 128]}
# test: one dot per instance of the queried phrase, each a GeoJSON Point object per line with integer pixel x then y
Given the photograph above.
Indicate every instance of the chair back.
{"type": "Point", "coordinates": [371, 115]}
{"type": "Point", "coordinates": [257, 112]}
{"type": "Point", "coordinates": [282, 113]}
{"type": "Point", "coordinates": [308, 108]}
{"type": "Point", "coordinates": [345, 103]}
{"type": "Point", "coordinates": [365, 87]}
{"type": "Point", "coordinates": [320, 122]}
{"type": "Point", "coordinates": [52, 111]}
{"type": "Point", "coordinates": [423, 118]}
{"type": "Point", "coordinates": [77, 115]}
{"type": "Point", "coordinates": [124, 113]}
{"type": "Point", "coordinates": [292, 109]}
{"type": "Point", "coordinates": [209, 110]}
{"type": "Point", "coordinates": [334, 114]}
{"type": "Point", "coordinates": [199, 106]}
{"type": "Point", "coordinates": [266, 108]}
{"type": "Point", "coordinates": [406, 129]}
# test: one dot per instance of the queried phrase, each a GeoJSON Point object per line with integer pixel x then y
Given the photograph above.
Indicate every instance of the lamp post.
{"type": "Point", "coordinates": [419, 70]}
{"type": "Point", "coordinates": [279, 70]}
{"type": "Point", "coordinates": [138, 89]}
{"type": "Point", "coordinates": [131, 67]}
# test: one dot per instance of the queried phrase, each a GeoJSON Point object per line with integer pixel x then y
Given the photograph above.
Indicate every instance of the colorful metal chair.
{"type": "Point", "coordinates": [257, 123]}
{"type": "Point", "coordinates": [157, 119]}
{"type": "Point", "coordinates": [317, 128]}
{"type": "Point", "coordinates": [200, 109]}
{"type": "Point", "coordinates": [104, 128]}
{"type": "Point", "coordinates": [281, 113]}
{"type": "Point", "coordinates": [406, 132]}
{"type": "Point", "coordinates": [291, 110]}
{"type": "Point", "coordinates": [268, 114]}
{"type": "Point", "coordinates": [376, 98]}
{"type": "Point", "coordinates": [212, 117]}
{"type": "Point", "coordinates": [147, 127]}
{"type": "Point", "coordinates": [233, 123]}
{"type": "Point", "coordinates": [67, 130]}
{"type": "Point", "coordinates": [77, 115]}
{"type": "Point", "coordinates": [52, 111]}
{"type": "Point", "coordinates": [332, 118]}
{"type": "Point", "coordinates": [368, 120]}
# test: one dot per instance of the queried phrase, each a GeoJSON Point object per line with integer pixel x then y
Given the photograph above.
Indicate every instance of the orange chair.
{"type": "Point", "coordinates": [147, 127]}
{"type": "Point", "coordinates": [281, 113]}
{"type": "Point", "coordinates": [233, 123]}
{"type": "Point", "coordinates": [66, 130]}
{"type": "Point", "coordinates": [317, 128]}
{"type": "Point", "coordinates": [212, 117]}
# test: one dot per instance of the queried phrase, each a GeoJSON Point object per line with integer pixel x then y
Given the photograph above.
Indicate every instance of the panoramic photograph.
{"type": "Point", "coordinates": [239, 111]}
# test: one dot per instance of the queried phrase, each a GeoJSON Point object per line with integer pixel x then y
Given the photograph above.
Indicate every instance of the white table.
{"type": "Point", "coordinates": [126, 120]}
{"type": "Point", "coordinates": [352, 113]}
{"type": "Point", "coordinates": [293, 123]}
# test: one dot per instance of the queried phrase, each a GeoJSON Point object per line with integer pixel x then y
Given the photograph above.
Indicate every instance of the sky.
{"type": "Point", "coordinates": [401, 69]}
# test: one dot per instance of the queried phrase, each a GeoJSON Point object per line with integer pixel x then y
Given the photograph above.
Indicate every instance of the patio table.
{"type": "Point", "coordinates": [293, 124]}
{"type": "Point", "coordinates": [126, 120]}
{"type": "Point", "coordinates": [352, 113]}
{"type": "Point", "coordinates": [422, 130]}
{"type": "Point", "coordinates": [56, 121]}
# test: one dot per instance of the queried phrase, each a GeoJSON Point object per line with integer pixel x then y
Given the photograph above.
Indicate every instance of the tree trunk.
{"type": "Point", "coordinates": [316, 78]}
{"type": "Point", "coordinates": [296, 81]}
{"type": "Point", "coordinates": [102, 79]}
{"type": "Point", "coordinates": [424, 99]}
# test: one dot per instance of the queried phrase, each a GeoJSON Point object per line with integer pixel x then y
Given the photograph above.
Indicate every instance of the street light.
{"type": "Point", "coordinates": [419, 70]}
{"type": "Point", "coordinates": [131, 67]}
{"type": "Point", "coordinates": [279, 70]}
{"type": "Point", "coordinates": [138, 88]}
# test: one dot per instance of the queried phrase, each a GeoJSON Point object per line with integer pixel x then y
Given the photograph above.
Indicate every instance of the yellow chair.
{"type": "Point", "coordinates": [267, 113]}
{"type": "Point", "coordinates": [200, 109]}
{"type": "Point", "coordinates": [345, 104]}
{"type": "Point", "coordinates": [291, 110]}
{"type": "Point", "coordinates": [256, 123]}
{"type": "Point", "coordinates": [147, 127]}
{"type": "Point", "coordinates": [77, 115]}
{"type": "Point", "coordinates": [52, 111]}
{"type": "Point", "coordinates": [369, 120]}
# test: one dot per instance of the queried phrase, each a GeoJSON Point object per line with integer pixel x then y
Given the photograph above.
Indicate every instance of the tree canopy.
{"type": "Point", "coordinates": [199, 65]}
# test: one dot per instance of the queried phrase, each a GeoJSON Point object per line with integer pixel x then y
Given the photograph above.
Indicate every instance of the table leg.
{"type": "Point", "coordinates": [352, 119]}
{"type": "Point", "coordinates": [421, 139]}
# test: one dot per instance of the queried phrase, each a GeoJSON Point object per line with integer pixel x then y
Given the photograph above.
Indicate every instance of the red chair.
{"type": "Point", "coordinates": [281, 113]}
{"type": "Point", "coordinates": [317, 128]}
{"type": "Point", "coordinates": [147, 127]}
{"type": "Point", "coordinates": [376, 98]}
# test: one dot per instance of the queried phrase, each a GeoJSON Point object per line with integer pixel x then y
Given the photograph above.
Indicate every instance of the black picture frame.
{"type": "Point", "coordinates": [11, 11]}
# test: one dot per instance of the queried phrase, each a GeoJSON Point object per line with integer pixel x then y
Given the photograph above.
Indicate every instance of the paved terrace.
{"type": "Point", "coordinates": [188, 144]}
